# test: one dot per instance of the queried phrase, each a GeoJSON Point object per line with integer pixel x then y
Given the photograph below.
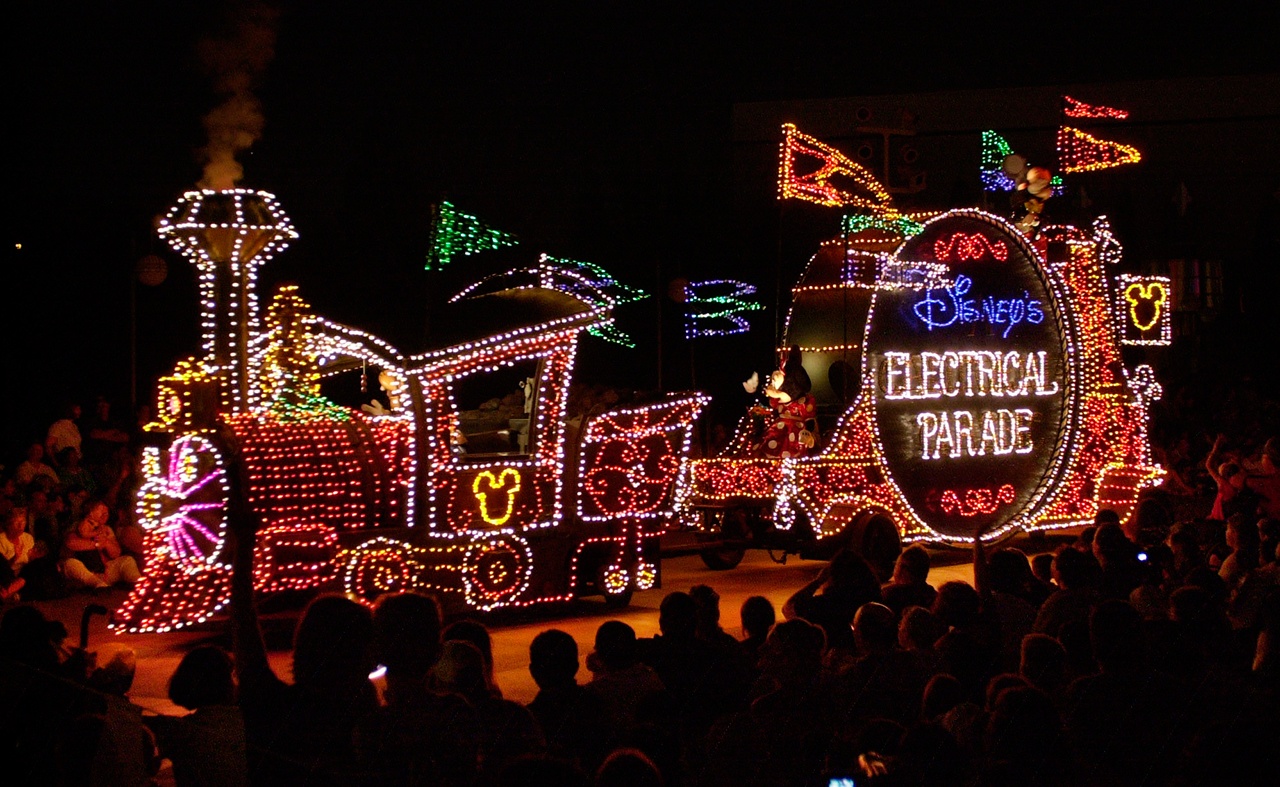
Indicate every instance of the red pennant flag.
{"type": "Point", "coordinates": [815, 184]}
{"type": "Point", "coordinates": [1074, 108]}
{"type": "Point", "coordinates": [1079, 152]}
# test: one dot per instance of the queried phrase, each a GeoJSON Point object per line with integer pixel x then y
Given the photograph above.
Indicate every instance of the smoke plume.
{"type": "Point", "coordinates": [235, 62]}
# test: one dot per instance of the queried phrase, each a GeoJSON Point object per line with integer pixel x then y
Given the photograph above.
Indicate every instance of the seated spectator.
{"type": "Point", "coordinates": [1243, 539]}
{"type": "Point", "coordinates": [102, 435]}
{"type": "Point", "coordinates": [706, 680]}
{"type": "Point", "coordinates": [94, 558]}
{"type": "Point", "coordinates": [207, 747]}
{"type": "Point", "coordinates": [1024, 737]}
{"type": "Point", "coordinates": [1043, 663]}
{"type": "Point", "coordinates": [63, 433]}
{"type": "Point", "coordinates": [44, 515]}
{"type": "Point", "coordinates": [1265, 483]}
{"type": "Point", "coordinates": [33, 466]}
{"type": "Point", "coordinates": [421, 730]}
{"type": "Point", "coordinates": [72, 474]}
{"type": "Point", "coordinates": [475, 633]}
{"type": "Point", "coordinates": [124, 751]}
{"type": "Point", "coordinates": [1042, 569]}
{"type": "Point", "coordinates": [620, 680]}
{"type": "Point", "coordinates": [1269, 539]}
{"type": "Point", "coordinates": [708, 627]}
{"type": "Point", "coordinates": [918, 634]}
{"type": "Point", "coordinates": [573, 719]}
{"type": "Point", "coordinates": [1117, 558]}
{"type": "Point", "coordinates": [941, 694]}
{"type": "Point", "coordinates": [909, 586]}
{"type": "Point", "coordinates": [1120, 720]}
{"type": "Point", "coordinates": [758, 616]}
{"type": "Point", "coordinates": [1075, 596]}
{"type": "Point", "coordinates": [1004, 583]}
{"type": "Point", "coordinates": [1151, 597]}
{"type": "Point", "coordinates": [1184, 542]}
{"type": "Point", "coordinates": [19, 552]}
{"type": "Point", "coordinates": [885, 681]}
{"type": "Point", "coordinates": [971, 647]}
{"type": "Point", "coordinates": [847, 582]}
{"type": "Point", "coordinates": [793, 713]}
{"type": "Point", "coordinates": [507, 729]}
{"type": "Point", "coordinates": [40, 697]}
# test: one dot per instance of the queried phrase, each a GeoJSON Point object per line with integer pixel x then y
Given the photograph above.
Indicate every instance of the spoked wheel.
{"type": "Point", "coordinates": [724, 523]}
{"type": "Point", "coordinates": [183, 502]}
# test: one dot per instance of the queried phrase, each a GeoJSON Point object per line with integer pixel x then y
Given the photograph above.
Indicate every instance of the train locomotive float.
{"type": "Point", "coordinates": [966, 377]}
{"type": "Point", "coordinates": [485, 507]}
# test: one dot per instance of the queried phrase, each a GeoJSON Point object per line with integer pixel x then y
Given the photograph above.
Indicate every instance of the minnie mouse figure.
{"type": "Point", "coordinates": [790, 419]}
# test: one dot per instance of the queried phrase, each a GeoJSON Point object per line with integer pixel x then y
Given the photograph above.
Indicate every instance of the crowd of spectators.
{"type": "Point", "coordinates": [66, 509]}
{"type": "Point", "coordinates": [1142, 653]}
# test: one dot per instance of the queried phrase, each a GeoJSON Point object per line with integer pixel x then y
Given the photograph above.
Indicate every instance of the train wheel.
{"type": "Point", "coordinates": [615, 583]}
{"type": "Point", "coordinates": [183, 501]}
{"type": "Point", "coordinates": [382, 565]}
{"type": "Point", "coordinates": [496, 570]}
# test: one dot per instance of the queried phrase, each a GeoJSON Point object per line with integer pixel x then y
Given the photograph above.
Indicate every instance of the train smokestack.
{"type": "Point", "coordinates": [228, 234]}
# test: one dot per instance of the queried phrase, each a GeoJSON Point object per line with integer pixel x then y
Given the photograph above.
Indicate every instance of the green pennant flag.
{"type": "Point", "coordinates": [454, 233]}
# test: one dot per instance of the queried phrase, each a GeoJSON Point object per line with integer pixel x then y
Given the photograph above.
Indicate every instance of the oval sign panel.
{"type": "Point", "coordinates": [968, 366]}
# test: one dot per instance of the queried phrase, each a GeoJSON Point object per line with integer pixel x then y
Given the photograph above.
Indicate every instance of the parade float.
{"type": "Point", "coordinates": [481, 505]}
{"type": "Point", "coordinates": [964, 370]}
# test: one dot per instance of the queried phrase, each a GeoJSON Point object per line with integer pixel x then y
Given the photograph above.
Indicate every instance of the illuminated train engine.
{"type": "Point", "coordinates": [966, 381]}
{"type": "Point", "coordinates": [487, 503]}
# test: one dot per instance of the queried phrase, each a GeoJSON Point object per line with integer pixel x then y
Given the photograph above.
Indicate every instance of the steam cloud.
{"type": "Point", "coordinates": [236, 62]}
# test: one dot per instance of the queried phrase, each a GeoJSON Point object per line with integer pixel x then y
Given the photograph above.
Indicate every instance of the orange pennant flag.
{"type": "Point", "coordinates": [1080, 152]}
{"type": "Point", "coordinates": [1075, 108]}
{"type": "Point", "coordinates": [814, 185]}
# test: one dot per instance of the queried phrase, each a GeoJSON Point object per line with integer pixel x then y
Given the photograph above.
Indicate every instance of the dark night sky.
{"type": "Point", "coordinates": [593, 131]}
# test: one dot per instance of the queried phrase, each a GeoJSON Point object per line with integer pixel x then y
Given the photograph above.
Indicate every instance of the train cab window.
{"type": "Point", "coordinates": [494, 411]}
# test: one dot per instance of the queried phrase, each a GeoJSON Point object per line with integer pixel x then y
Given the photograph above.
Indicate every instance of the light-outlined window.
{"type": "Point", "coordinates": [495, 411]}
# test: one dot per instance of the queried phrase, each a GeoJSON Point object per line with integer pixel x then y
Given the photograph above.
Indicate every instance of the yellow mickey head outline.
{"type": "Point", "coordinates": [497, 483]}
{"type": "Point", "coordinates": [1144, 293]}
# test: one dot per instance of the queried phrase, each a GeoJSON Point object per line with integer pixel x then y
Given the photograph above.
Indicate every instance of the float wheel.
{"type": "Point", "coordinates": [382, 565]}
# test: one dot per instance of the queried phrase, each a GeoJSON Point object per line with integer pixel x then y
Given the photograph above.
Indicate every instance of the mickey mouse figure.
{"type": "Point", "coordinates": [791, 418]}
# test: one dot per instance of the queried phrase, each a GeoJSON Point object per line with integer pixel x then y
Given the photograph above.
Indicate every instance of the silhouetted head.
{"type": "Point", "coordinates": [957, 604]}
{"type": "Point", "coordinates": [474, 632]}
{"type": "Point", "coordinates": [875, 628]}
{"type": "Point", "coordinates": [1009, 571]}
{"type": "Point", "coordinates": [628, 768]}
{"type": "Point", "coordinates": [707, 601]}
{"type": "Point", "coordinates": [920, 629]}
{"type": "Point", "coordinates": [793, 650]}
{"type": "Point", "coordinates": [460, 669]}
{"type": "Point", "coordinates": [333, 644]}
{"type": "Point", "coordinates": [678, 616]}
{"type": "Point", "coordinates": [407, 633]}
{"type": "Point", "coordinates": [1043, 661]}
{"type": "Point", "coordinates": [758, 616]}
{"type": "Point", "coordinates": [616, 644]}
{"type": "Point", "coordinates": [203, 678]}
{"type": "Point", "coordinates": [942, 693]}
{"type": "Point", "coordinates": [553, 659]}
{"type": "Point", "coordinates": [912, 566]}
